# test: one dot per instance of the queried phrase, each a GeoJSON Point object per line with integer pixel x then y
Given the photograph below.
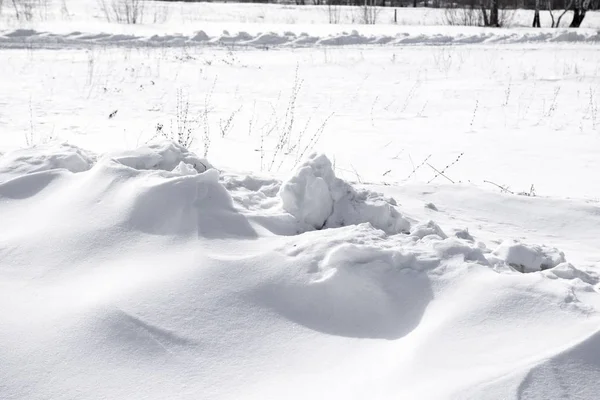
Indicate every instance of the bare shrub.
{"type": "Point", "coordinates": [26, 10]}
{"type": "Point", "coordinates": [463, 16]}
{"type": "Point", "coordinates": [122, 11]}
{"type": "Point", "coordinates": [506, 17]}
{"type": "Point", "coordinates": [367, 13]}
{"type": "Point", "coordinates": [64, 10]}
{"type": "Point", "coordinates": [334, 10]}
{"type": "Point", "coordinates": [160, 14]}
{"type": "Point", "coordinates": [477, 16]}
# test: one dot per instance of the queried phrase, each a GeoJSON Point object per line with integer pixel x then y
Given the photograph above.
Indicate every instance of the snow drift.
{"type": "Point", "coordinates": [151, 274]}
{"type": "Point", "coordinates": [26, 38]}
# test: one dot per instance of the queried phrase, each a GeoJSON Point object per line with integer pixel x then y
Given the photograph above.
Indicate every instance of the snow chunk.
{"type": "Point", "coordinates": [165, 155]}
{"type": "Point", "coordinates": [426, 229]}
{"type": "Point", "coordinates": [431, 206]}
{"type": "Point", "coordinates": [528, 258]}
{"type": "Point", "coordinates": [569, 272]}
{"type": "Point", "coordinates": [317, 198]}
{"type": "Point", "coordinates": [464, 234]}
{"type": "Point", "coordinates": [45, 158]}
{"type": "Point", "coordinates": [452, 247]}
{"type": "Point", "coordinates": [184, 169]}
{"type": "Point", "coordinates": [200, 36]}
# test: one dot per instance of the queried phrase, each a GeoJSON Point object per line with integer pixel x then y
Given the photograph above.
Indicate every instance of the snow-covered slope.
{"type": "Point", "coordinates": [150, 274]}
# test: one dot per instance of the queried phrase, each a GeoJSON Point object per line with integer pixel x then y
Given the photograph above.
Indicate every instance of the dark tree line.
{"type": "Point", "coordinates": [488, 10]}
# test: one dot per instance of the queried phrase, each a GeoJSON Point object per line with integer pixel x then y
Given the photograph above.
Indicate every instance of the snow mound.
{"type": "Point", "coordinates": [181, 202]}
{"type": "Point", "coordinates": [320, 200]}
{"type": "Point", "coordinates": [427, 228]}
{"type": "Point", "coordinates": [45, 158]}
{"type": "Point", "coordinates": [24, 38]}
{"type": "Point", "coordinates": [528, 258]}
{"type": "Point", "coordinates": [358, 291]}
{"type": "Point", "coordinates": [165, 155]}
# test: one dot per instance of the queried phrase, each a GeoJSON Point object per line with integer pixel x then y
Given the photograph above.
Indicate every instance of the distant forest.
{"type": "Point", "coordinates": [511, 4]}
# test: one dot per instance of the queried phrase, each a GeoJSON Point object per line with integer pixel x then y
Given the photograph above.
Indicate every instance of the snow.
{"type": "Point", "coordinates": [292, 209]}
{"type": "Point", "coordinates": [317, 198]}
{"type": "Point", "coordinates": [529, 258]}
{"type": "Point", "coordinates": [27, 38]}
{"type": "Point", "coordinates": [165, 155]}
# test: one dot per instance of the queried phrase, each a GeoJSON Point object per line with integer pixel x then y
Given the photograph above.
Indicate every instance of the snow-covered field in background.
{"type": "Point", "coordinates": [336, 229]}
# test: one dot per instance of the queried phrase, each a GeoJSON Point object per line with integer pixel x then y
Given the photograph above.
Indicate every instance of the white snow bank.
{"type": "Point", "coordinates": [116, 268]}
{"type": "Point", "coordinates": [20, 38]}
{"type": "Point", "coordinates": [165, 155]}
{"type": "Point", "coordinates": [528, 258]}
{"type": "Point", "coordinates": [317, 198]}
{"type": "Point", "coordinates": [44, 158]}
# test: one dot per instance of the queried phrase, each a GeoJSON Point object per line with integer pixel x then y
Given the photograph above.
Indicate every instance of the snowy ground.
{"type": "Point", "coordinates": [306, 245]}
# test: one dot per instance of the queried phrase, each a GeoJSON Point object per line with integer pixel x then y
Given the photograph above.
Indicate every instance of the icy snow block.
{"type": "Point", "coordinates": [529, 258]}
{"type": "Point", "coordinates": [316, 197]}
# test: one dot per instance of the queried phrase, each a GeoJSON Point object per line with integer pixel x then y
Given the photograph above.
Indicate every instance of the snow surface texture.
{"type": "Point", "coordinates": [112, 285]}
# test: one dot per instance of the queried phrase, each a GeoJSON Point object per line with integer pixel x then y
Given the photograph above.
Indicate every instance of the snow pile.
{"type": "Point", "coordinates": [165, 155]}
{"type": "Point", "coordinates": [528, 258]}
{"type": "Point", "coordinates": [20, 38]}
{"type": "Point", "coordinates": [567, 271]}
{"type": "Point", "coordinates": [317, 198]}
{"type": "Point", "coordinates": [44, 158]}
{"type": "Point", "coordinates": [426, 229]}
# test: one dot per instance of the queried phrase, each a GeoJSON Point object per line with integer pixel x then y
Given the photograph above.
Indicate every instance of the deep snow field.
{"type": "Point", "coordinates": [401, 211]}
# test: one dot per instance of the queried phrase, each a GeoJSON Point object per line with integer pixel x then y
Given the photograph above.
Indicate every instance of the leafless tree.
{"type": "Point", "coordinates": [580, 8]}
{"type": "Point", "coordinates": [536, 15]}
{"type": "Point", "coordinates": [549, 4]}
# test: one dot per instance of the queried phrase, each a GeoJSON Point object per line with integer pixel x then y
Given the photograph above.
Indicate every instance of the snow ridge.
{"type": "Point", "coordinates": [25, 38]}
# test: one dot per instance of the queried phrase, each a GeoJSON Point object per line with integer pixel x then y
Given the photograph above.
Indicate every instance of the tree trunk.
{"type": "Point", "coordinates": [563, 14]}
{"type": "Point", "coordinates": [549, 4]}
{"type": "Point", "coordinates": [494, 14]}
{"type": "Point", "coordinates": [536, 15]}
{"type": "Point", "coordinates": [579, 10]}
{"type": "Point", "coordinates": [484, 15]}
{"type": "Point", "coordinates": [415, 3]}
{"type": "Point", "coordinates": [536, 19]}
{"type": "Point", "coordinates": [14, 2]}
